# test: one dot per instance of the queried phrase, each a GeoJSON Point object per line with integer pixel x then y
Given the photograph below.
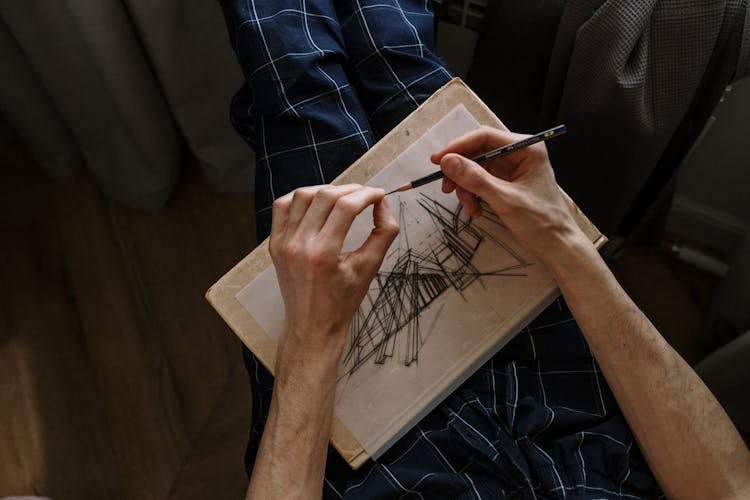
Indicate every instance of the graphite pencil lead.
{"type": "Point", "coordinates": [400, 189]}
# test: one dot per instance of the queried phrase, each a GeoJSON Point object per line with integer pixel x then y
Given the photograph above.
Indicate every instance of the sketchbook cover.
{"type": "Point", "coordinates": [451, 292]}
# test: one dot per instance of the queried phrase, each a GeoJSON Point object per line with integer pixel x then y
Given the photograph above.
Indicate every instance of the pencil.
{"type": "Point", "coordinates": [523, 143]}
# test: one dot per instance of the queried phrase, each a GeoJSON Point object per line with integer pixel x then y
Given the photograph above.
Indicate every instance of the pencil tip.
{"type": "Point", "coordinates": [399, 189]}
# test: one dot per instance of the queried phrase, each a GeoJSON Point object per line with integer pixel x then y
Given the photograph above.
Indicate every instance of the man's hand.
{"type": "Point", "coordinates": [520, 187]}
{"type": "Point", "coordinates": [322, 288]}
{"type": "Point", "coordinates": [691, 445]}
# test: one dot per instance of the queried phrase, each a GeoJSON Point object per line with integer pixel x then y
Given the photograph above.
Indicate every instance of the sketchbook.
{"type": "Point", "coordinates": [451, 292]}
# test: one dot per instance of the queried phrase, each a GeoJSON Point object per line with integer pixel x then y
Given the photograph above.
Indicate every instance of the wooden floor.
{"type": "Point", "coordinates": [117, 379]}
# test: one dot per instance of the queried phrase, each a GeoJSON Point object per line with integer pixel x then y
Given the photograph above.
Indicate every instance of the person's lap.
{"type": "Point", "coordinates": [325, 80]}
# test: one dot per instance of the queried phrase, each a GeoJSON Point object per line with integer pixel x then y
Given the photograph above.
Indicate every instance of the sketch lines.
{"type": "Point", "coordinates": [388, 321]}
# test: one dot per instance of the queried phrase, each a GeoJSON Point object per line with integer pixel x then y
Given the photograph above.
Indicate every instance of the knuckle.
{"type": "Point", "coordinates": [345, 204]}
{"type": "Point", "coordinates": [326, 193]}
{"type": "Point", "coordinates": [305, 193]}
{"type": "Point", "coordinates": [486, 129]}
{"type": "Point", "coordinates": [291, 252]}
{"type": "Point", "coordinates": [496, 133]}
{"type": "Point", "coordinates": [488, 135]}
{"type": "Point", "coordinates": [315, 262]}
{"type": "Point", "coordinates": [280, 203]}
{"type": "Point", "coordinates": [317, 258]}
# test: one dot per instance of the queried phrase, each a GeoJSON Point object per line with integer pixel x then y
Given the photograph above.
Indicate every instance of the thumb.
{"type": "Point", "coordinates": [470, 176]}
{"type": "Point", "coordinates": [370, 255]}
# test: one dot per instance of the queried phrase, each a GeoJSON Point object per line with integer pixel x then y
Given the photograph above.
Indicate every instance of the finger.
{"type": "Point", "coordinates": [369, 256]}
{"type": "Point", "coordinates": [471, 177]}
{"type": "Point", "coordinates": [477, 141]}
{"type": "Point", "coordinates": [301, 200]}
{"type": "Point", "coordinates": [470, 202]}
{"type": "Point", "coordinates": [322, 204]}
{"type": "Point", "coordinates": [280, 213]}
{"type": "Point", "coordinates": [344, 212]}
{"type": "Point", "coordinates": [448, 185]}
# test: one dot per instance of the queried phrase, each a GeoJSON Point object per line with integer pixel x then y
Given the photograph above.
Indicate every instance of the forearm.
{"type": "Point", "coordinates": [691, 445]}
{"type": "Point", "coordinates": [322, 287]}
{"type": "Point", "coordinates": [292, 455]}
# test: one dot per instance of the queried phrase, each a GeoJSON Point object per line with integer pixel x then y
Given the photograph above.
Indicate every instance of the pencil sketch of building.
{"type": "Point", "coordinates": [391, 311]}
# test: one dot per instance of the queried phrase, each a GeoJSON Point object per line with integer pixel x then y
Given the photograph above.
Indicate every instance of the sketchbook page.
{"type": "Point", "coordinates": [448, 288]}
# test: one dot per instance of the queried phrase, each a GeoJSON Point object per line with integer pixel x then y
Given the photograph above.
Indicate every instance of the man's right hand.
{"type": "Point", "coordinates": [688, 440]}
{"type": "Point", "coordinates": [520, 187]}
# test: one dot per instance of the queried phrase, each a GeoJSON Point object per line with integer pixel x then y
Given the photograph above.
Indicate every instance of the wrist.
{"type": "Point", "coordinates": [309, 353]}
{"type": "Point", "coordinates": [304, 385]}
{"type": "Point", "coordinates": [304, 389]}
{"type": "Point", "coordinates": [566, 249]}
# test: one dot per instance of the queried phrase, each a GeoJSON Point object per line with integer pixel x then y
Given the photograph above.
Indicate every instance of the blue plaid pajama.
{"type": "Point", "coordinates": [324, 81]}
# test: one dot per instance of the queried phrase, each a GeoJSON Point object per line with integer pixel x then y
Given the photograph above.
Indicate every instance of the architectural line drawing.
{"type": "Point", "coordinates": [389, 316]}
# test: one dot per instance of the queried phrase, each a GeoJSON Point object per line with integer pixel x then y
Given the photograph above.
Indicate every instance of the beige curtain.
{"type": "Point", "coordinates": [121, 87]}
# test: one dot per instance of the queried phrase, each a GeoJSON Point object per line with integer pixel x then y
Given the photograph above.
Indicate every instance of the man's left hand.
{"type": "Point", "coordinates": [321, 286]}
